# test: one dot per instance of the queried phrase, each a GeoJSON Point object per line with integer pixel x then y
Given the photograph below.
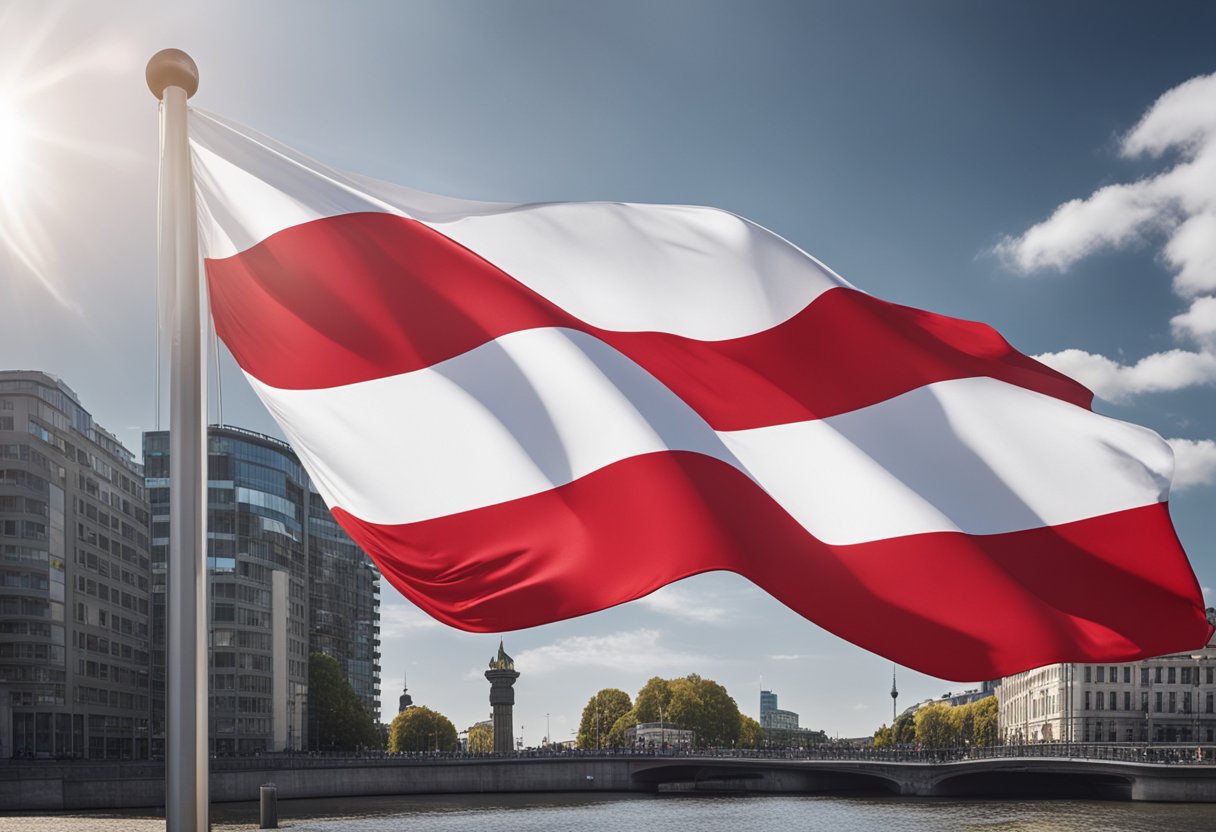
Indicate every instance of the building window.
{"type": "Point", "coordinates": [1089, 672]}
{"type": "Point", "coordinates": [1186, 702]}
{"type": "Point", "coordinates": [1173, 675]}
{"type": "Point", "coordinates": [1157, 674]}
{"type": "Point", "coordinates": [1101, 674]}
{"type": "Point", "coordinates": [1127, 675]}
{"type": "Point", "coordinates": [1173, 701]}
{"type": "Point", "coordinates": [1086, 700]}
{"type": "Point", "coordinates": [1144, 675]}
{"type": "Point", "coordinates": [1186, 676]}
{"type": "Point", "coordinates": [1127, 700]}
{"type": "Point", "coordinates": [1157, 702]}
{"type": "Point", "coordinates": [1210, 704]}
{"type": "Point", "coordinates": [1101, 699]}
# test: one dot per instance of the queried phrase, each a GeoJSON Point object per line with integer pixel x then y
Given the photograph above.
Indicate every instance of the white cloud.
{"type": "Point", "coordinates": [682, 603]}
{"type": "Point", "coordinates": [1181, 201]}
{"type": "Point", "coordinates": [398, 619]}
{"type": "Point", "coordinates": [1198, 323]}
{"type": "Point", "coordinates": [1111, 217]}
{"type": "Point", "coordinates": [787, 657]}
{"type": "Point", "coordinates": [1182, 116]}
{"type": "Point", "coordinates": [1157, 373]}
{"type": "Point", "coordinates": [635, 651]}
{"type": "Point", "coordinates": [1191, 251]}
{"type": "Point", "coordinates": [1177, 208]}
{"type": "Point", "coordinates": [1194, 462]}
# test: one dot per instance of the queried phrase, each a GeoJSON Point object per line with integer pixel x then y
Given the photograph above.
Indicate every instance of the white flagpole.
{"type": "Point", "coordinates": [173, 78]}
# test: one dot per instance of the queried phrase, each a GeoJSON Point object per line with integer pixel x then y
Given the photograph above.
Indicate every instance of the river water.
{"type": "Point", "coordinates": [649, 813]}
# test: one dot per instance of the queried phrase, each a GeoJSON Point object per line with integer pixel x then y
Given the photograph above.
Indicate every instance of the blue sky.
{"type": "Point", "coordinates": [910, 146]}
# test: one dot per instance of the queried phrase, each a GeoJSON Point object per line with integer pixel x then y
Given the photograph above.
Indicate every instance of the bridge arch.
{"type": "Point", "coordinates": [1035, 783]}
{"type": "Point", "coordinates": [713, 776]}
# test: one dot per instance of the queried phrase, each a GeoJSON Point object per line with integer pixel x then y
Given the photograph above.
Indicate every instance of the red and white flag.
{"type": "Point", "coordinates": [525, 413]}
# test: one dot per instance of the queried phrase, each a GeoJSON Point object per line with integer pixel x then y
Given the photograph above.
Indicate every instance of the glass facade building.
{"type": "Point", "coordinates": [283, 581]}
{"type": "Point", "coordinates": [74, 580]}
{"type": "Point", "coordinates": [344, 604]}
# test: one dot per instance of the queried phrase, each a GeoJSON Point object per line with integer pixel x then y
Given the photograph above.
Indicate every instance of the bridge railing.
{"type": "Point", "coordinates": [1153, 753]}
{"type": "Point", "coordinates": [1181, 754]}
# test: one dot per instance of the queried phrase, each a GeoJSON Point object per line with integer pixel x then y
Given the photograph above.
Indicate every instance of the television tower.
{"type": "Point", "coordinates": [894, 695]}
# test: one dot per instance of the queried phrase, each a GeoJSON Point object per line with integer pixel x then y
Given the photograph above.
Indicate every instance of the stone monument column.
{"type": "Point", "coordinates": [502, 676]}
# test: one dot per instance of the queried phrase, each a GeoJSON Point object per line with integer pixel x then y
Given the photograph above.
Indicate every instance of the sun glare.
{"type": "Point", "coordinates": [11, 140]}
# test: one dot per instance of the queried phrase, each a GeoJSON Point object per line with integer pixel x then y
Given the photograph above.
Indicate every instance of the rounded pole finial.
{"type": "Point", "coordinates": [172, 68]}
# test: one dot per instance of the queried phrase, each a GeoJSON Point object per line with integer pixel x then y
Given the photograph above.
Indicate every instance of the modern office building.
{"type": "Point", "coordinates": [74, 580]}
{"type": "Point", "coordinates": [1169, 698]}
{"type": "Point", "coordinates": [284, 581]}
{"type": "Point", "coordinates": [773, 718]}
{"type": "Point", "coordinates": [344, 604]}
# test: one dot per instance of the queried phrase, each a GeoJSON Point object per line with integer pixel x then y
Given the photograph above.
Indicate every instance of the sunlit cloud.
{"type": "Point", "coordinates": [1174, 209]}
{"type": "Point", "coordinates": [1194, 462]}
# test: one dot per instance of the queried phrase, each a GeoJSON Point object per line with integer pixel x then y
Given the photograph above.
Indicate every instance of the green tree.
{"type": "Point", "coordinates": [338, 720]}
{"type": "Point", "coordinates": [750, 734]}
{"type": "Point", "coordinates": [601, 714]}
{"type": "Point", "coordinates": [421, 729]}
{"type": "Point", "coordinates": [984, 721]}
{"type": "Point", "coordinates": [653, 700]}
{"type": "Point", "coordinates": [481, 739]}
{"type": "Point", "coordinates": [937, 726]}
{"type": "Point", "coordinates": [704, 707]}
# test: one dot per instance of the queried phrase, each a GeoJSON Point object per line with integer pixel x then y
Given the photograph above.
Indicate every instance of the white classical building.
{"type": "Point", "coordinates": [1164, 699]}
{"type": "Point", "coordinates": [658, 735]}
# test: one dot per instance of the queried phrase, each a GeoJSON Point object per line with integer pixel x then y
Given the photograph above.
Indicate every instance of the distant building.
{"type": "Point", "coordinates": [773, 718]}
{"type": "Point", "coordinates": [405, 700]}
{"type": "Point", "coordinates": [658, 735]}
{"type": "Point", "coordinates": [343, 603]}
{"type": "Point", "coordinates": [1169, 698]}
{"type": "Point", "coordinates": [780, 728]}
{"type": "Point", "coordinates": [74, 580]}
{"type": "Point", "coordinates": [284, 581]}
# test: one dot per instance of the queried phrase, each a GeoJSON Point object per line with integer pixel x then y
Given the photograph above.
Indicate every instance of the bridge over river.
{"type": "Point", "coordinates": [1128, 772]}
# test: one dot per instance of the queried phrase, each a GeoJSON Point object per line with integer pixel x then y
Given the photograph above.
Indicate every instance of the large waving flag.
{"type": "Point", "coordinates": [525, 413]}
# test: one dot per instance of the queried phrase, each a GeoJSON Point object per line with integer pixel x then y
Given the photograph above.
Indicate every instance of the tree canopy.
{"type": "Point", "coordinates": [339, 722]}
{"type": "Point", "coordinates": [601, 713]}
{"type": "Point", "coordinates": [481, 739]}
{"type": "Point", "coordinates": [691, 703]}
{"type": "Point", "coordinates": [938, 725]}
{"type": "Point", "coordinates": [421, 729]}
{"type": "Point", "coordinates": [750, 733]}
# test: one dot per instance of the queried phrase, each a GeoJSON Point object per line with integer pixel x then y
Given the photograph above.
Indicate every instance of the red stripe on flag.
{"type": "Point", "coordinates": [953, 605]}
{"type": "Point", "coordinates": [363, 296]}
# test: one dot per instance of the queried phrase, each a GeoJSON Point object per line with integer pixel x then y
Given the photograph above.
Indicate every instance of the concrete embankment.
{"type": "Point", "coordinates": [70, 786]}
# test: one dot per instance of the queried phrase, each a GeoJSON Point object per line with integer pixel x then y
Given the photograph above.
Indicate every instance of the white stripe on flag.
{"type": "Point", "coordinates": [539, 408]}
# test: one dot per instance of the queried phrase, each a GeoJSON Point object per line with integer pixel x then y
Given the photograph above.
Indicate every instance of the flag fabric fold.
{"type": "Point", "coordinates": [525, 413]}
